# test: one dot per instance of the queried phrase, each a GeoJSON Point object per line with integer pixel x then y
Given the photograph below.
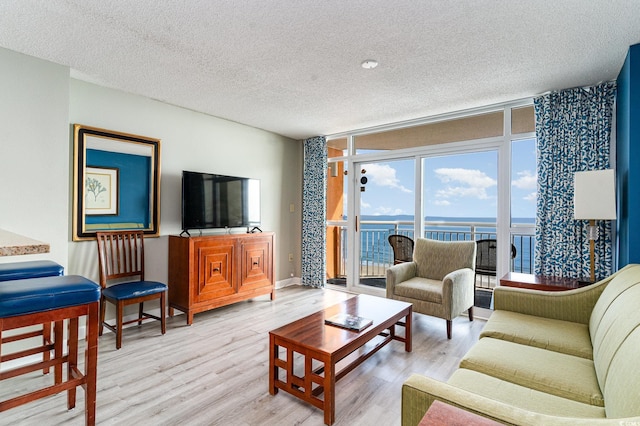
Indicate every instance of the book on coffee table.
{"type": "Point", "coordinates": [351, 322]}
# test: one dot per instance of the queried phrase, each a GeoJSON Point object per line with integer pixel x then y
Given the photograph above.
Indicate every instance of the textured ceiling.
{"type": "Point", "coordinates": [293, 67]}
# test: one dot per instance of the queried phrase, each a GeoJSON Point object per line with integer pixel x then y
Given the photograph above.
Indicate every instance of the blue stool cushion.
{"type": "Point", "coordinates": [30, 269]}
{"type": "Point", "coordinates": [133, 289]}
{"type": "Point", "coordinates": [20, 297]}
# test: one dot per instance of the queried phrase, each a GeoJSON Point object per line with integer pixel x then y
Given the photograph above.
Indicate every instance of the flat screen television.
{"type": "Point", "coordinates": [218, 201]}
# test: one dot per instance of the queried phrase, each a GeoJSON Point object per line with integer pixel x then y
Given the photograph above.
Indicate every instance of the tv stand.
{"type": "Point", "coordinates": [210, 271]}
{"type": "Point", "coordinates": [253, 230]}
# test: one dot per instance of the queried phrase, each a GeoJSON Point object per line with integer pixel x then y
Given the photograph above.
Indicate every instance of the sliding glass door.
{"type": "Point", "coordinates": [386, 197]}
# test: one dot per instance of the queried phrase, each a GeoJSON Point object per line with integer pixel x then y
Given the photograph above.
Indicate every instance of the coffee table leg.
{"type": "Point", "coordinates": [407, 331]}
{"type": "Point", "coordinates": [273, 370]}
{"type": "Point", "coordinates": [329, 392]}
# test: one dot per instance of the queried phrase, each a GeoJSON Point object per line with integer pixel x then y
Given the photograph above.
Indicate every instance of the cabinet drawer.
{"type": "Point", "coordinates": [215, 272]}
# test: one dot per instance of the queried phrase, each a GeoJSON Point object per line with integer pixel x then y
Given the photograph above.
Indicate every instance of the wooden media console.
{"type": "Point", "coordinates": [207, 272]}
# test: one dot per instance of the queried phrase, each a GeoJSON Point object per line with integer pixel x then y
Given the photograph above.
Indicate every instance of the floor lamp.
{"type": "Point", "coordinates": [594, 198]}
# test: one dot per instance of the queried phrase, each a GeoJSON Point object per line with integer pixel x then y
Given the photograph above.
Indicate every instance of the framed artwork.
{"type": "Point", "coordinates": [116, 182]}
{"type": "Point", "coordinates": [101, 191]}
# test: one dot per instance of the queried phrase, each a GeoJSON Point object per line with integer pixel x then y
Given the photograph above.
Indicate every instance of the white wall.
{"type": "Point", "coordinates": [198, 142]}
{"type": "Point", "coordinates": [34, 153]}
{"type": "Point", "coordinates": [39, 103]}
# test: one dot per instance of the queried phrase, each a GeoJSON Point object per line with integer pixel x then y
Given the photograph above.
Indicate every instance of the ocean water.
{"type": "Point", "coordinates": [375, 248]}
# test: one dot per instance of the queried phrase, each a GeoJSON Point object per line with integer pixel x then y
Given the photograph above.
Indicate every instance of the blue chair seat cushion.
{"type": "Point", "coordinates": [129, 290]}
{"type": "Point", "coordinates": [27, 296]}
{"type": "Point", "coordinates": [29, 269]}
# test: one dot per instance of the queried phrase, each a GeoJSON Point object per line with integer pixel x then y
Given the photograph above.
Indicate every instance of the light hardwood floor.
{"type": "Point", "coordinates": [215, 372]}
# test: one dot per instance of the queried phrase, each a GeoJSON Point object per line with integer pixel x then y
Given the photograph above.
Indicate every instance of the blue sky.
{"type": "Point", "coordinates": [463, 185]}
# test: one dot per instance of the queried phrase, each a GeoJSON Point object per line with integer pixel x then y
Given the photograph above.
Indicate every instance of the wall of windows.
{"type": "Point", "coordinates": [466, 176]}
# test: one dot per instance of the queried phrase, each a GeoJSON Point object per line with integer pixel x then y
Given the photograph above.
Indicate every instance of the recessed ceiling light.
{"type": "Point", "coordinates": [369, 64]}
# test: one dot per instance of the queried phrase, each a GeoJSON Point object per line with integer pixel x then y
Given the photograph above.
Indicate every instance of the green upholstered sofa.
{"type": "Point", "coordinates": [548, 358]}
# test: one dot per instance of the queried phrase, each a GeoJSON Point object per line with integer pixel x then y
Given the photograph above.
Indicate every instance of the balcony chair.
{"type": "Point", "coordinates": [121, 257]}
{"type": "Point", "coordinates": [402, 248]}
{"type": "Point", "coordinates": [486, 257]}
{"type": "Point", "coordinates": [439, 281]}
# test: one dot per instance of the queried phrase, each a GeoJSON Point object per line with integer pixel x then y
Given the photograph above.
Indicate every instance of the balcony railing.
{"type": "Point", "coordinates": [376, 254]}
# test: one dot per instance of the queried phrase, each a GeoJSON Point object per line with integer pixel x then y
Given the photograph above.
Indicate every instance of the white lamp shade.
{"type": "Point", "coordinates": [594, 195]}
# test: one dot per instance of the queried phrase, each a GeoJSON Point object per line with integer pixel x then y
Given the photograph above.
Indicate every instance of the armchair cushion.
{"type": "Point", "coordinates": [421, 288]}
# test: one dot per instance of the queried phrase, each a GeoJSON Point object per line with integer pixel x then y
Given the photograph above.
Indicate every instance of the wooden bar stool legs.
{"type": "Point", "coordinates": [74, 377]}
{"type": "Point", "coordinates": [32, 269]}
{"type": "Point", "coordinates": [51, 295]}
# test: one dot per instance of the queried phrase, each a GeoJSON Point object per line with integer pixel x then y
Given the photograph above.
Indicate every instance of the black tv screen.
{"type": "Point", "coordinates": [218, 201]}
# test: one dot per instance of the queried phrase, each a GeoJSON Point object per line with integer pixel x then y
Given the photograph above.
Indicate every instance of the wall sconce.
{"type": "Point", "coordinates": [594, 198]}
{"type": "Point", "coordinates": [333, 169]}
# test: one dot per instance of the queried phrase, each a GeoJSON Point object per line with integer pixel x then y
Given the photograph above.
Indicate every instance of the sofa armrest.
{"type": "Point", "coordinates": [399, 273]}
{"type": "Point", "coordinates": [572, 305]}
{"type": "Point", "coordinates": [418, 392]}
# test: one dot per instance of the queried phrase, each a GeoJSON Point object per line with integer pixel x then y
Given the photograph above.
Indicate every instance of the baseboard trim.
{"type": "Point", "coordinates": [288, 282]}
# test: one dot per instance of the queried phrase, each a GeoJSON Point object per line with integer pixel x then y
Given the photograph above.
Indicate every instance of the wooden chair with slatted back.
{"type": "Point", "coordinates": [121, 264]}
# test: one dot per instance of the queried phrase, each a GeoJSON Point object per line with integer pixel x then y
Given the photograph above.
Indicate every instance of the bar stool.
{"type": "Point", "coordinates": [32, 269]}
{"type": "Point", "coordinates": [37, 301]}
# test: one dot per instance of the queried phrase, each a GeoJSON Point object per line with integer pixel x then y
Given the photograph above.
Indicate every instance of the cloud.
{"type": "Point", "coordinates": [532, 196]}
{"type": "Point", "coordinates": [387, 211]}
{"type": "Point", "coordinates": [526, 180]}
{"type": "Point", "coordinates": [464, 183]}
{"type": "Point", "coordinates": [384, 175]}
{"type": "Point", "coordinates": [442, 203]}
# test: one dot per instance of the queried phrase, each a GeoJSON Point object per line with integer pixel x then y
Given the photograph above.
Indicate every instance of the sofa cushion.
{"type": "Point", "coordinates": [559, 374]}
{"type": "Point", "coordinates": [522, 397]}
{"type": "Point", "coordinates": [560, 336]}
{"type": "Point", "coordinates": [420, 288]}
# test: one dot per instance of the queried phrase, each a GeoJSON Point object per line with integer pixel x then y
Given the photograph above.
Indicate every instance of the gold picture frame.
{"type": "Point", "coordinates": [127, 169]}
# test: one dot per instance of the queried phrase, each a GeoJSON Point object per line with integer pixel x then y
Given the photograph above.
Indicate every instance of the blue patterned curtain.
{"type": "Point", "coordinates": [314, 190]}
{"type": "Point", "coordinates": [573, 128]}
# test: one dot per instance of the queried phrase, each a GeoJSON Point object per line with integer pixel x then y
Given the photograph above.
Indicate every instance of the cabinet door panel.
{"type": "Point", "coordinates": [256, 264]}
{"type": "Point", "coordinates": [215, 272]}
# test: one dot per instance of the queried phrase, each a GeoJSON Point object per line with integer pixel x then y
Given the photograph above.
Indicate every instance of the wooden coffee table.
{"type": "Point", "coordinates": [318, 347]}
